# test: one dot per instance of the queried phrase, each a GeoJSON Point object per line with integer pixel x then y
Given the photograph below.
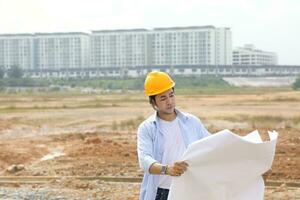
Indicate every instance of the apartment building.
{"type": "Point", "coordinates": [200, 45]}
{"type": "Point", "coordinates": [61, 50]}
{"type": "Point", "coordinates": [16, 50]}
{"type": "Point", "coordinates": [248, 55]}
{"type": "Point", "coordinates": [196, 45]}
{"type": "Point", "coordinates": [119, 48]}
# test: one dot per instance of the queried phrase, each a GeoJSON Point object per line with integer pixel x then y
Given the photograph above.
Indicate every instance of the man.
{"type": "Point", "coordinates": [163, 138]}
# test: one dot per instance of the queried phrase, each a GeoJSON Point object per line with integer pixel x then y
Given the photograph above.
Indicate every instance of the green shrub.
{"type": "Point", "coordinates": [296, 84]}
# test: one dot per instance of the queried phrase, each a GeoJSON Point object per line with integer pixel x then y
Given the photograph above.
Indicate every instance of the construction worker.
{"type": "Point", "coordinates": [163, 138]}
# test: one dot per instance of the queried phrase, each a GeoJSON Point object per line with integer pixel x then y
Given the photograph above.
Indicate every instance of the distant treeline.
{"type": "Point", "coordinates": [138, 83]}
{"type": "Point", "coordinates": [114, 83]}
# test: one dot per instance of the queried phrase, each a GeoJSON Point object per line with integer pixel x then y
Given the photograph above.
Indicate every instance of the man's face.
{"type": "Point", "coordinates": [165, 102]}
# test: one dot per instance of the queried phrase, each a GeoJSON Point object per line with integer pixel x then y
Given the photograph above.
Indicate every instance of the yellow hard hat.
{"type": "Point", "coordinates": [157, 82]}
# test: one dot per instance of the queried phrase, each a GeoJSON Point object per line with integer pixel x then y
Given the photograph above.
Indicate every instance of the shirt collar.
{"type": "Point", "coordinates": [181, 116]}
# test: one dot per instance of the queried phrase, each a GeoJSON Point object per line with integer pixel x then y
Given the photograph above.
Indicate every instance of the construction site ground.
{"type": "Point", "coordinates": [67, 135]}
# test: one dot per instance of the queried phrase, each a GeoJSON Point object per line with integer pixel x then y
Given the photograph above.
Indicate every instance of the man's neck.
{"type": "Point", "coordinates": [167, 117]}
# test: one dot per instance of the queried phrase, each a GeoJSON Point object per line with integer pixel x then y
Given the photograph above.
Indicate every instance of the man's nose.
{"type": "Point", "coordinates": [168, 101]}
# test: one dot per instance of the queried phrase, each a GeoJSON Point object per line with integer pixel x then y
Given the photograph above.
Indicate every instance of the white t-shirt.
{"type": "Point", "coordinates": [174, 147]}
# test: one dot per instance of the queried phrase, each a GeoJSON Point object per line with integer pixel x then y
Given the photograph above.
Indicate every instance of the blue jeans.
{"type": "Point", "coordinates": [162, 194]}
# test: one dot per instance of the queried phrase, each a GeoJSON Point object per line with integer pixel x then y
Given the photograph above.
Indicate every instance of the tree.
{"type": "Point", "coordinates": [15, 72]}
{"type": "Point", "coordinates": [1, 73]}
{"type": "Point", "coordinates": [296, 84]}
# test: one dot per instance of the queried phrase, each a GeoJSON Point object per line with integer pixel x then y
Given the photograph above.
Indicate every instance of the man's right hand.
{"type": "Point", "coordinates": [177, 169]}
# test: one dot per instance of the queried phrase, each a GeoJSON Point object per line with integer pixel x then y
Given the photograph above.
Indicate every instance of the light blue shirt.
{"type": "Point", "coordinates": [150, 143]}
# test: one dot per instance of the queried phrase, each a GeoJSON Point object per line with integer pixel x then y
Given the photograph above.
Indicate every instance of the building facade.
{"type": "Point", "coordinates": [202, 45]}
{"type": "Point", "coordinates": [223, 42]}
{"type": "Point", "coordinates": [16, 50]}
{"type": "Point", "coordinates": [248, 55]}
{"type": "Point", "coordinates": [45, 50]}
{"type": "Point", "coordinates": [119, 48]}
{"type": "Point", "coordinates": [61, 50]}
{"type": "Point", "coordinates": [197, 45]}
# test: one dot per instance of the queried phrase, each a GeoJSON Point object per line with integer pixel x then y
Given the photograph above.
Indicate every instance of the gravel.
{"type": "Point", "coordinates": [32, 193]}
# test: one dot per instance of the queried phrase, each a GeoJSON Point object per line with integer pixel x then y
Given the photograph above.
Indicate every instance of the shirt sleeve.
{"type": "Point", "coordinates": [145, 148]}
{"type": "Point", "coordinates": [201, 129]}
{"type": "Point", "coordinates": [204, 131]}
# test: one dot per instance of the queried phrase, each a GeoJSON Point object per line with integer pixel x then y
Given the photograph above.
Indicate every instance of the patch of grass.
{"type": "Point", "coordinates": [284, 99]}
{"type": "Point", "coordinates": [13, 108]}
{"type": "Point", "coordinates": [115, 101]}
{"type": "Point", "coordinates": [230, 90]}
{"type": "Point", "coordinates": [295, 120]}
{"type": "Point", "coordinates": [263, 120]}
{"type": "Point", "coordinates": [129, 124]}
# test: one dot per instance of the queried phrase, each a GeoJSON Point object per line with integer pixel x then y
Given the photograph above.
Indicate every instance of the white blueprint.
{"type": "Point", "coordinates": [225, 166]}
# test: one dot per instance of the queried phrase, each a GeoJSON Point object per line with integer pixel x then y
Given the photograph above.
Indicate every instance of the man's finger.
{"type": "Point", "coordinates": [182, 163]}
{"type": "Point", "coordinates": [181, 167]}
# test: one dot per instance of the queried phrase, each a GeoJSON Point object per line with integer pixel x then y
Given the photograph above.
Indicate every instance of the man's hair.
{"type": "Point", "coordinates": [152, 98]}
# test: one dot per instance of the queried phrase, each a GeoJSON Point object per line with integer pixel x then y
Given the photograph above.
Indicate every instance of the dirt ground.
{"type": "Point", "coordinates": [95, 135]}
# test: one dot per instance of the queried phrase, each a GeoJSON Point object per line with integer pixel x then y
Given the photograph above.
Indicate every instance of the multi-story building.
{"type": "Point", "coordinates": [201, 45]}
{"type": "Point", "coordinates": [61, 50]}
{"type": "Point", "coordinates": [197, 45]}
{"type": "Point", "coordinates": [119, 48]}
{"type": "Point", "coordinates": [248, 55]}
{"type": "Point", "coordinates": [16, 50]}
{"type": "Point", "coordinates": [223, 46]}
{"type": "Point", "coordinates": [45, 50]}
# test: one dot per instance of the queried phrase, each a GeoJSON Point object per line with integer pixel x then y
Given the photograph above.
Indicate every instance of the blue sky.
{"type": "Point", "coordinates": [269, 25]}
